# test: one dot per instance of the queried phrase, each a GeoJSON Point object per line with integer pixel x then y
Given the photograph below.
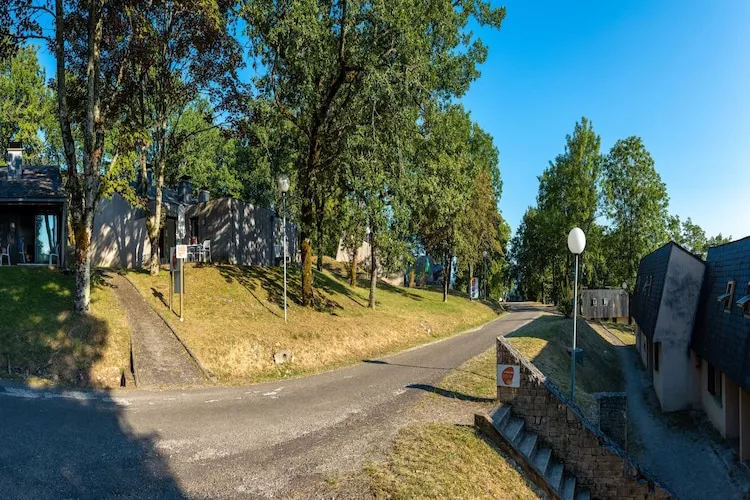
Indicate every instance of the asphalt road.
{"type": "Point", "coordinates": [264, 441]}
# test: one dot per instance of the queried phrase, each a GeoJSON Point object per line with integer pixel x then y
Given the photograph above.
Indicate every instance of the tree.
{"type": "Point", "coordinates": [91, 42]}
{"type": "Point", "coordinates": [636, 203]}
{"type": "Point", "coordinates": [26, 104]}
{"type": "Point", "coordinates": [315, 56]}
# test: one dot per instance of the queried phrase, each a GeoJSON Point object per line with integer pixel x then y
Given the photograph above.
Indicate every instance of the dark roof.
{"type": "Point", "coordinates": [644, 307]}
{"type": "Point", "coordinates": [723, 338]}
{"type": "Point", "coordinates": [36, 183]}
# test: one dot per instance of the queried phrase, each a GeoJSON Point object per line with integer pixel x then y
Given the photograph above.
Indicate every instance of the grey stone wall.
{"type": "Point", "coordinates": [596, 461]}
{"type": "Point", "coordinates": [613, 416]}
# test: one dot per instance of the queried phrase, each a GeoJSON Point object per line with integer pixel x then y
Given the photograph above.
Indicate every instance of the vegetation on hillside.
{"type": "Point", "coordinates": [234, 319]}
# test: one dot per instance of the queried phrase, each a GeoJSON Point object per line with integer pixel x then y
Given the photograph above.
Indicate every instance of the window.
{"type": "Point", "coordinates": [726, 297]}
{"type": "Point", "coordinates": [647, 286]}
{"type": "Point", "coordinates": [657, 355]}
{"type": "Point", "coordinates": [744, 302]}
{"type": "Point", "coordinates": [605, 302]}
{"type": "Point", "coordinates": [593, 302]}
{"type": "Point", "coordinates": [714, 382]}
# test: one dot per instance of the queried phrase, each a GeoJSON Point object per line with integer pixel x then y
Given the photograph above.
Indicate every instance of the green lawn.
{"type": "Point", "coordinates": [544, 342]}
{"type": "Point", "coordinates": [234, 319]}
{"type": "Point", "coordinates": [43, 342]}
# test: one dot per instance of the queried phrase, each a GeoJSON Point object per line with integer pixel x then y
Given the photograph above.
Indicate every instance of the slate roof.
{"type": "Point", "coordinates": [36, 183]}
{"type": "Point", "coordinates": [644, 307]}
{"type": "Point", "coordinates": [723, 338]}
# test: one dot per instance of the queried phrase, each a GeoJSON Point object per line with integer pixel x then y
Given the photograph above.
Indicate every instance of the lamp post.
{"type": "Point", "coordinates": [484, 273]}
{"type": "Point", "coordinates": [284, 187]}
{"type": "Point", "coordinates": [576, 245]}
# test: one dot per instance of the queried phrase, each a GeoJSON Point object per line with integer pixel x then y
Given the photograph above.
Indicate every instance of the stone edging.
{"type": "Point", "coordinates": [206, 372]}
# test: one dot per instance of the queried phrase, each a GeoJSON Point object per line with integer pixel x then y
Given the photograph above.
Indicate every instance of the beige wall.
{"type": "Point", "coordinates": [713, 409]}
{"type": "Point", "coordinates": [120, 238]}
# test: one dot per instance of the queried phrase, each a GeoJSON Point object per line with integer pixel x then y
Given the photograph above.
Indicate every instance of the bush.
{"type": "Point", "coordinates": [565, 306]}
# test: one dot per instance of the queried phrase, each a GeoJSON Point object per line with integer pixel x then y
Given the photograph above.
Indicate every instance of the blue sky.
{"type": "Point", "coordinates": [677, 74]}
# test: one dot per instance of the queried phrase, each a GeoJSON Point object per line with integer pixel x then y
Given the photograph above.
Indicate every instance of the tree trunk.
{"type": "Point", "coordinates": [155, 224]}
{"type": "Point", "coordinates": [306, 218]}
{"type": "Point", "coordinates": [471, 277]}
{"type": "Point", "coordinates": [143, 188]}
{"type": "Point", "coordinates": [353, 269]}
{"type": "Point", "coordinates": [373, 271]}
{"type": "Point", "coordinates": [413, 276]}
{"type": "Point", "coordinates": [319, 232]}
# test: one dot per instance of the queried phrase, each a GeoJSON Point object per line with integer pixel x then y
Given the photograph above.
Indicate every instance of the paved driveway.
{"type": "Point", "coordinates": [267, 440]}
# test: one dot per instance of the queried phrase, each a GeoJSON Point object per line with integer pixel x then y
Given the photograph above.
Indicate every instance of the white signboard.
{"type": "Point", "coordinates": [474, 288]}
{"type": "Point", "coordinates": [508, 376]}
{"type": "Point", "coordinates": [181, 251]}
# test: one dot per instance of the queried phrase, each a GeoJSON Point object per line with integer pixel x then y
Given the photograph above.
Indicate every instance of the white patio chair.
{"type": "Point", "coordinates": [205, 250]}
{"type": "Point", "coordinates": [5, 254]}
{"type": "Point", "coordinates": [55, 254]}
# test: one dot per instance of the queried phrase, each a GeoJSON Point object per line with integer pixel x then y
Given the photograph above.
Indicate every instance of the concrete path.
{"type": "Point", "coordinates": [159, 359]}
{"type": "Point", "coordinates": [672, 449]}
{"type": "Point", "coordinates": [278, 439]}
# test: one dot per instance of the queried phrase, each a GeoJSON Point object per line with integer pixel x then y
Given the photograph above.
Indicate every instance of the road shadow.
{"type": "Point", "coordinates": [450, 394]}
{"type": "Point", "coordinates": [437, 368]}
{"type": "Point", "coordinates": [55, 447]}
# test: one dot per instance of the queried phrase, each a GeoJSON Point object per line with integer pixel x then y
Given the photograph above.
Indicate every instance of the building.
{"type": "Point", "coordinates": [664, 306]}
{"type": "Point", "coordinates": [238, 232]}
{"type": "Point", "coordinates": [33, 211]}
{"type": "Point", "coordinates": [696, 346]}
{"type": "Point", "coordinates": [721, 343]}
{"type": "Point", "coordinates": [606, 303]}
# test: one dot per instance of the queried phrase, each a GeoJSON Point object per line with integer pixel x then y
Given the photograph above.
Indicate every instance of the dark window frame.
{"type": "Point", "coordinates": [657, 355]}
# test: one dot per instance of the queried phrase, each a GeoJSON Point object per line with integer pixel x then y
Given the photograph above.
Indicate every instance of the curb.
{"type": "Point", "coordinates": [206, 372]}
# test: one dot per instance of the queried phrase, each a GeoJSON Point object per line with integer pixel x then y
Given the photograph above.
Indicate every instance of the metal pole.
{"type": "Point", "coordinates": [573, 354]}
{"type": "Point", "coordinates": [171, 286]}
{"type": "Point", "coordinates": [182, 286]}
{"type": "Point", "coordinates": [283, 196]}
{"type": "Point", "coordinates": [484, 276]}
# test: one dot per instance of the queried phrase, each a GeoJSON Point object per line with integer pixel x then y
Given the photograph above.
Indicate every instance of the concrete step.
{"type": "Point", "coordinates": [513, 429]}
{"type": "Point", "coordinates": [555, 474]}
{"type": "Point", "coordinates": [583, 495]}
{"type": "Point", "coordinates": [569, 487]}
{"type": "Point", "coordinates": [500, 415]}
{"type": "Point", "coordinates": [542, 459]}
{"type": "Point", "coordinates": [528, 444]}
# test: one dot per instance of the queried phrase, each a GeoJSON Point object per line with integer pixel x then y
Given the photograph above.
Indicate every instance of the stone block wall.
{"type": "Point", "coordinates": [596, 461]}
{"type": "Point", "coordinates": [613, 416]}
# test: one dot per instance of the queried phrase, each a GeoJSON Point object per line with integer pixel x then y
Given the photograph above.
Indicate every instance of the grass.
{"type": "Point", "coordinates": [43, 342]}
{"type": "Point", "coordinates": [625, 333]}
{"type": "Point", "coordinates": [446, 461]}
{"type": "Point", "coordinates": [475, 379]}
{"type": "Point", "coordinates": [545, 341]}
{"type": "Point", "coordinates": [234, 320]}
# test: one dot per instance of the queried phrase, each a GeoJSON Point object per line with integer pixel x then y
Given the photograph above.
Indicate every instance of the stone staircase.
{"type": "Point", "coordinates": [525, 446]}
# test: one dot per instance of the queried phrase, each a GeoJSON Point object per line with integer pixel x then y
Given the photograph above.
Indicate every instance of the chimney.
{"type": "Point", "coordinates": [204, 196]}
{"type": "Point", "coordinates": [15, 160]}
{"type": "Point", "coordinates": [185, 189]}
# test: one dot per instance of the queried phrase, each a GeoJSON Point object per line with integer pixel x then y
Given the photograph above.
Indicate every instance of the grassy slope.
{"type": "Point", "coordinates": [234, 319]}
{"type": "Point", "coordinates": [45, 341]}
{"type": "Point", "coordinates": [545, 342]}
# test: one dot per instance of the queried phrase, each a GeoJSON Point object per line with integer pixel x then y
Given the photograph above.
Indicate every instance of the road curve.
{"type": "Point", "coordinates": [267, 440]}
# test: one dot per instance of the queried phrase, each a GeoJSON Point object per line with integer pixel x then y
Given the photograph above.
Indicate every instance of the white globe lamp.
{"type": "Point", "coordinates": [576, 245]}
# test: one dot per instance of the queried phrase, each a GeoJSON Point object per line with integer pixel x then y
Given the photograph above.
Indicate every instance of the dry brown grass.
{"type": "Point", "coordinates": [446, 461]}
{"type": "Point", "coordinates": [45, 343]}
{"type": "Point", "coordinates": [234, 319]}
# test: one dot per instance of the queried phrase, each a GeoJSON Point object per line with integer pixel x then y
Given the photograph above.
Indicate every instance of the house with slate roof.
{"type": "Point", "coordinates": [33, 212]}
{"type": "Point", "coordinates": [693, 333]}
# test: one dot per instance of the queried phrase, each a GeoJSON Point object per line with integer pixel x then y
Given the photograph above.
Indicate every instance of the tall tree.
{"type": "Point", "coordinates": [26, 104]}
{"type": "Point", "coordinates": [316, 54]}
{"type": "Point", "coordinates": [636, 203]}
{"type": "Point", "coordinates": [91, 42]}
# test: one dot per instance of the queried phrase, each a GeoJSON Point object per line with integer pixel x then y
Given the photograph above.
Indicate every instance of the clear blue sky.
{"type": "Point", "coordinates": [676, 73]}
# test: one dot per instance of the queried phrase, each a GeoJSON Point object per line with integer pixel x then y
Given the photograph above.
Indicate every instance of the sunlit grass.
{"type": "Point", "coordinates": [234, 319]}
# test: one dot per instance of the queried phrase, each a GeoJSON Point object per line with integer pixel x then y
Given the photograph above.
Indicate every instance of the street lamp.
{"type": "Point", "coordinates": [284, 187]}
{"type": "Point", "coordinates": [576, 245]}
{"type": "Point", "coordinates": [484, 272]}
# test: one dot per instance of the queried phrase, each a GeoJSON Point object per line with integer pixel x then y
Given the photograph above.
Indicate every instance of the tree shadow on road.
{"type": "Point", "coordinates": [450, 394]}
{"type": "Point", "coordinates": [78, 447]}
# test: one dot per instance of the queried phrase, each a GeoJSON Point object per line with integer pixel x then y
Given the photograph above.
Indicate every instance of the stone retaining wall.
{"type": "Point", "coordinates": [596, 461]}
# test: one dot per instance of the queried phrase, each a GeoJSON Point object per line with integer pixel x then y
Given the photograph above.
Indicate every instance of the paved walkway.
{"type": "Point", "coordinates": [159, 359]}
{"type": "Point", "coordinates": [281, 439]}
{"type": "Point", "coordinates": [684, 456]}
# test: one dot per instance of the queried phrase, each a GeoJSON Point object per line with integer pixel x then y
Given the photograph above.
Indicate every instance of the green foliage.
{"type": "Point", "coordinates": [26, 104]}
{"type": "Point", "coordinates": [565, 307]}
{"type": "Point", "coordinates": [636, 203]}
